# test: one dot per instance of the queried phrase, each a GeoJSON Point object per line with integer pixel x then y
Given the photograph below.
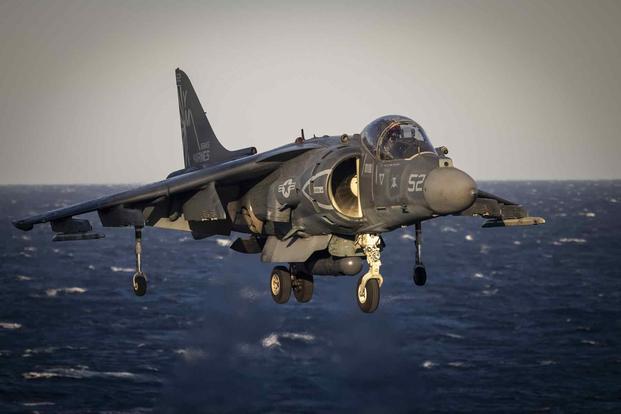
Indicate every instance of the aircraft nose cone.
{"type": "Point", "coordinates": [449, 190]}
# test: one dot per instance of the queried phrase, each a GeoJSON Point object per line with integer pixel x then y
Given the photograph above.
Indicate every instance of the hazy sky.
{"type": "Point", "coordinates": [514, 89]}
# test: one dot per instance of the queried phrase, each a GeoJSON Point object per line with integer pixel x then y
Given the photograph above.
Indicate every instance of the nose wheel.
{"type": "Point", "coordinates": [139, 280]}
{"type": "Point", "coordinates": [368, 289]}
{"type": "Point", "coordinates": [420, 273]}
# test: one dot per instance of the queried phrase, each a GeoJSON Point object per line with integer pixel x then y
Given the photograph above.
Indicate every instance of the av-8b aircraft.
{"type": "Point", "coordinates": [318, 205]}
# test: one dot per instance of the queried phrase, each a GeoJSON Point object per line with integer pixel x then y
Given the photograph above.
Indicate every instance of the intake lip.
{"type": "Point", "coordinates": [448, 190]}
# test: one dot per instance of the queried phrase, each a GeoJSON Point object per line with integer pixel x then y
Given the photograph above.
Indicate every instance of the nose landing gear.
{"type": "Point", "coordinates": [139, 280]}
{"type": "Point", "coordinates": [368, 290]}
{"type": "Point", "coordinates": [420, 273]}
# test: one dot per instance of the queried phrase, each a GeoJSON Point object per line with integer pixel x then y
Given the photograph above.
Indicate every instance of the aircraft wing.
{"type": "Point", "coordinates": [500, 212]}
{"type": "Point", "coordinates": [131, 207]}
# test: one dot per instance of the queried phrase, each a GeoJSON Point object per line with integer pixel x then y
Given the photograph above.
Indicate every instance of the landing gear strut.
{"type": "Point", "coordinates": [420, 274]}
{"type": "Point", "coordinates": [368, 290]}
{"type": "Point", "coordinates": [139, 280]}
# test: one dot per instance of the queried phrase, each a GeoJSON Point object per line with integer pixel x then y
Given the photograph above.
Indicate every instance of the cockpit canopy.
{"type": "Point", "coordinates": [395, 137]}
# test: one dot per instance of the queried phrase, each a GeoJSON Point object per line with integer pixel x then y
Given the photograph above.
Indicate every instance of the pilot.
{"type": "Point", "coordinates": [391, 143]}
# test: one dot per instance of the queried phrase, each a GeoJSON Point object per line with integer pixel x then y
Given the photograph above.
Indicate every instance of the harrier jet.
{"type": "Point", "coordinates": [315, 206]}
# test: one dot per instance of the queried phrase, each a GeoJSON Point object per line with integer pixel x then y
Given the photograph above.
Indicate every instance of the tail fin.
{"type": "Point", "coordinates": [200, 145]}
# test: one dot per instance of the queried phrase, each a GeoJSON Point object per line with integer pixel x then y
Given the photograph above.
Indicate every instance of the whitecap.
{"type": "Point", "coordinates": [428, 364]}
{"type": "Point", "coordinates": [456, 364]}
{"type": "Point", "coordinates": [572, 240]}
{"type": "Point", "coordinates": [452, 335]}
{"type": "Point", "coordinates": [489, 292]}
{"type": "Point", "coordinates": [448, 229]}
{"type": "Point", "coordinates": [407, 236]}
{"type": "Point", "coordinates": [270, 341]}
{"type": "Point", "coordinates": [122, 269]}
{"type": "Point", "coordinates": [37, 404]}
{"type": "Point", "coordinates": [223, 242]}
{"type": "Point", "coordinates": [479, 275]}
{"type": "Point", "coordinates": [10, 325]}
{"type": "Point", "coordinates": [517, 242]}
{"type": "Point", "coordinates": [23, 278]}
{"type": "Point", "coordinates": [80, 372]}
{"type": "Point", "coordinates": [91, 267]}
{"type": "Point", "coordinates": [469, 237]}
{"type": "Point", "coordinates": [304, 337]}
{"type": "Point", "coordinates": [69, 290]}
{"type": "Point", "coordinates": [547, 362]}
{"type": "Point", "coordinates": [484, 249]}
{"type": "Point", "coordinates": [191, 354]}
{"type": "Point", "coordinates": [589, 342]}
{"type": "Point", "coordinates": [590, 214]}
{"type": "Point", "coordinates": [30, 249]}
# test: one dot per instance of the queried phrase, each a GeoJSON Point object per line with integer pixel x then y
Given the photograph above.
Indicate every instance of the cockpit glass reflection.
{"type": "Point", "coordinates": [396, 137]}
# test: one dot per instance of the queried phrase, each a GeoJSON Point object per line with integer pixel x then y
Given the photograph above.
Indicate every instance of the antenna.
{"type": "Point", "coordinates": [303, 137]}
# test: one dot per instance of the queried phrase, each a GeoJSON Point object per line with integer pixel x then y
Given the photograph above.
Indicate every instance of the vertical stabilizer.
{"type": "Point", "coordinates": [200, 145]}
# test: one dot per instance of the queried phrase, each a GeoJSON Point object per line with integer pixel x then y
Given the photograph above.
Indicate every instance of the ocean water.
{"type": "Point", "coordinates": [511, 319]}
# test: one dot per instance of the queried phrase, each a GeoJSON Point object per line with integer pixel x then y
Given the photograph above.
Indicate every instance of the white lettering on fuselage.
{"type": "Point", "coordinates": [415, 182]}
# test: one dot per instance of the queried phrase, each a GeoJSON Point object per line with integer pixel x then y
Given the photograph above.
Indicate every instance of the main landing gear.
{"type": "Point", "coordinates": [420, 274]}
{"type": "Point", "coordinates": [139, 280]}
{"type": "Point", "coordinates": [283, 281]}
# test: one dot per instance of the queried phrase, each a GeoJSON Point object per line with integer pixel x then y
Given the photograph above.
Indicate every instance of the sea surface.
{"type": "Point", "coordinates": [511, 320]}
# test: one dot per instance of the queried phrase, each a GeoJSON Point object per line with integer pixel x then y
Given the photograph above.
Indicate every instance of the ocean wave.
{"type": "Point", "coordinates": [117, 269]}
{"type": "Point", "coordinates": [448, 229]}
{"type": "Point", "coordinates": [571, 240]}
{"type": "Point", "coordinates": [69, 290]}
{"type": "Point", "coordinates": [249, 293]}
{"type": "Point", "coordinates": [80, 372]}
{"type": "Point", "coordinates": [37, 404]}
{"type": "Point", "coordinates": [223, 242]}
{"type": "Point", "coordinates": [407, 236]}
{"type": "Point", "coordinates": [469, 237]}
{"type": "Point", "coordinates": [191, 354]}
{"type": "Point", "coordinates": [428, 364]}
{"type": "Point", "coordinates": [10, 325]}
{"type": "Point", "coordinates": [23, 278]}
{"type": "Point", "coordinates": [273, 339]}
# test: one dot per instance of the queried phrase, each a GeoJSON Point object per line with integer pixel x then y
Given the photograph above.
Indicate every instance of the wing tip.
{"type": "Point", "coordinates": [23, 225]}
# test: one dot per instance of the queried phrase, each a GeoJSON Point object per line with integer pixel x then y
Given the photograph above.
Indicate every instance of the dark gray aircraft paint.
{"type": "Point", "coordinates": [318, 205]}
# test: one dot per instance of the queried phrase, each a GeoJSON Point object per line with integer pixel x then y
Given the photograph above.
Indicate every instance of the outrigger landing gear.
{"type": "Point", "coordinates": [139, 280]}
{"type": "Point", "coordinates": [420, 274]}
{"type": "Point", "coordinates": [368, 289]}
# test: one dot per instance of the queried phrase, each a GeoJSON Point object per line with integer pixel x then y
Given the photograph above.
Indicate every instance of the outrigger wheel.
{"type": "Point", "coordinates": [139, 283]}
{"type": "Point", "coordinates": [420, 273]}
{"type": "Point", "coordinates": [280, 284]}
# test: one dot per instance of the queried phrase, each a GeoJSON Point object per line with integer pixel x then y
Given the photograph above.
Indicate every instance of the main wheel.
{"type": "Point", "coordinates": [420, 275]}
{"type": "Point", "coordinates": [303, 288]}
{"type": "Point", "coordinates": [369, 300]}
{"type": "Point", "coordinates": [280, 284]}
{"type": "Point", "coordinates": [139, 283]}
